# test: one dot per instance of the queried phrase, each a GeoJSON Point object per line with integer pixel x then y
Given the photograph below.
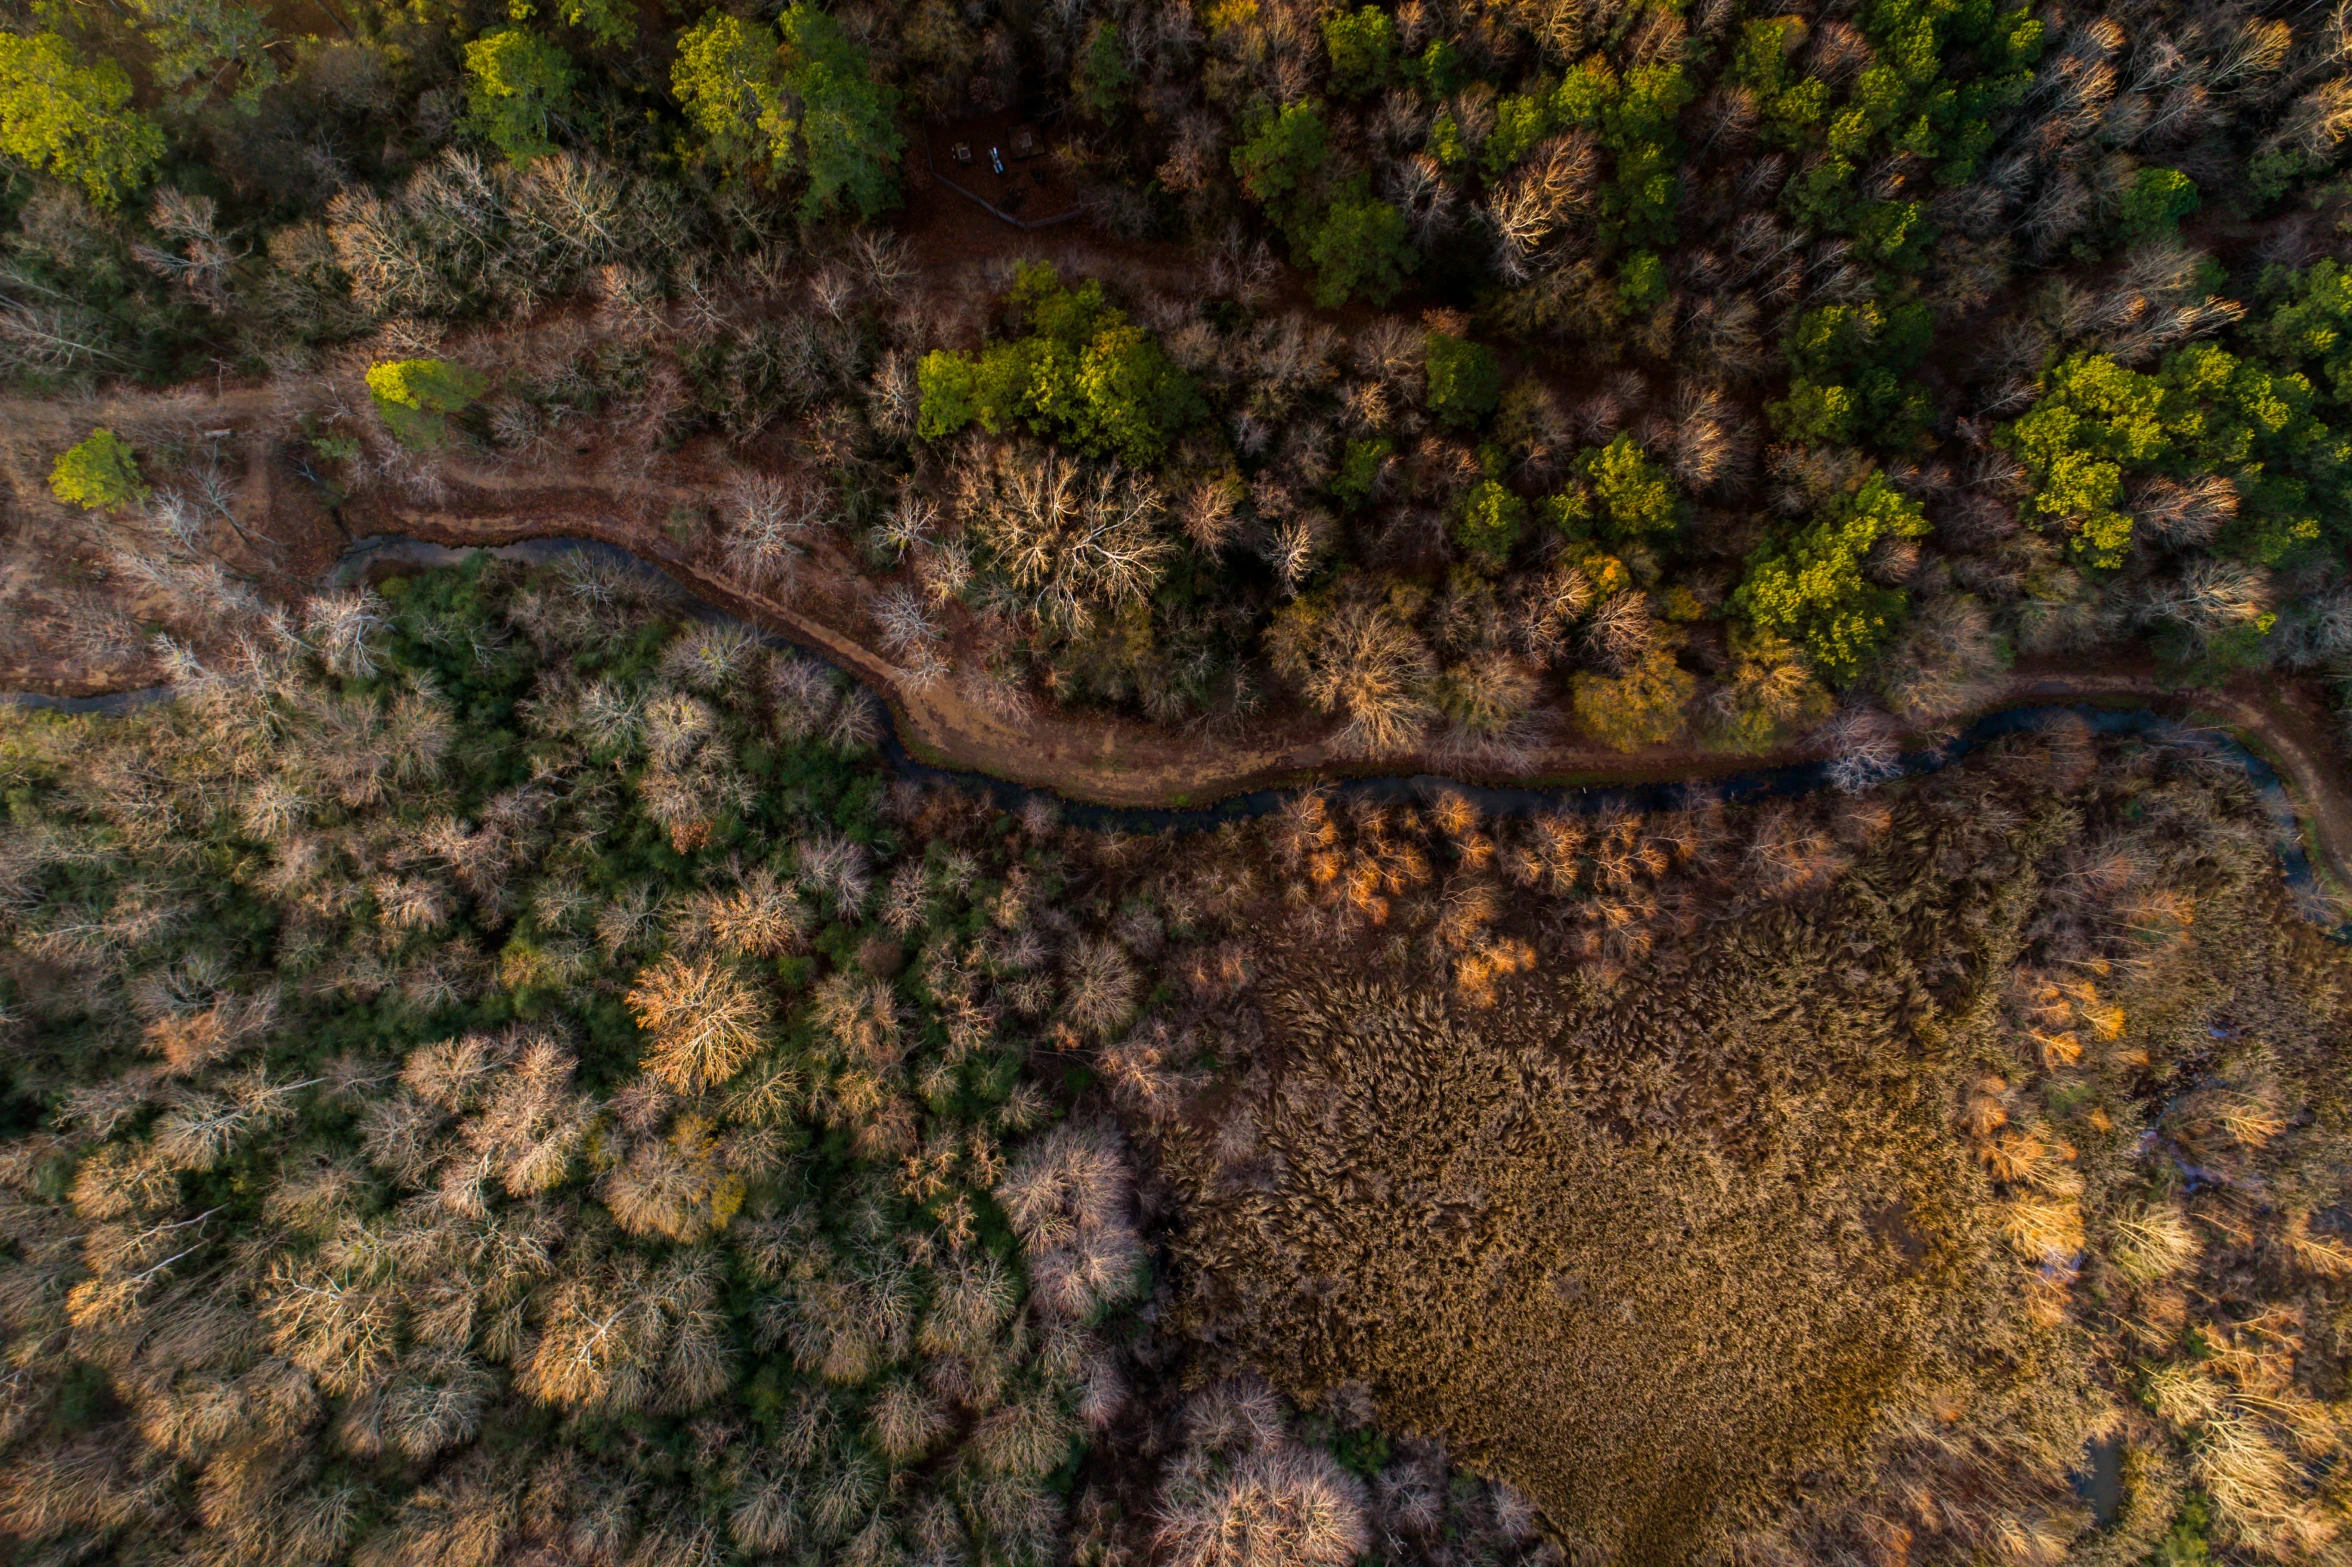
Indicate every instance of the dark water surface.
{"type": "Point", "coordinates": [1784, 782]}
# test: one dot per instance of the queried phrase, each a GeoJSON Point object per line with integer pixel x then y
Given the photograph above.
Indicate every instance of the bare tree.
{"type": "Point", "coordinates": [203, 261]}
{"type": "Point", "coordinates": [769, 519]}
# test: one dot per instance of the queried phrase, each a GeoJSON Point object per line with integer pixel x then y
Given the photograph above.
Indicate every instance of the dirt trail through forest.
{"type": "Point", "coordinates": [1110, 761]}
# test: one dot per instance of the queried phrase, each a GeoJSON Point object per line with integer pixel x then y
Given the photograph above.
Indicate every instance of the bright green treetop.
{"type": "Point", "coordinates": [1279, 158]}
{"type": "Point", "coordinates": [2205, 411]}
{"type": "Point", "coordinates": [1358, 249]}
{"type": "Point", "coordinates": [73, 121]}
{"type": "Point", "coordinates": [1363, 48]}
{"type": "Point", "coordinates": [611, 24]}
{"type": "Point", "coordinates": [100, 471]}
{"type": "Point", "coordinates": [808, 104]}
{"type": "Point", "coordinates": [2154, 202]}
{"type": "Point", "coordinates": [517, 84]}
{"type": "Point", "coordinates": [1633, 116]}
{"type": "Point", "coordinates": [1490, 522]}
{"type": "Point", "coordinates": [1850, 375]}
{"type": "Point", "coordinates": [1631, 492]}
{"type": "Point", "coordinates": [729, 79]}
{"type": "Point", "coordinates": [1810, 587]}
{"type": "Point", "coordinates": [415, 396]}
{"type": "Point", "coordinates": [1081, 373]}
{"type": "Point", "coordinates": [428, 385]}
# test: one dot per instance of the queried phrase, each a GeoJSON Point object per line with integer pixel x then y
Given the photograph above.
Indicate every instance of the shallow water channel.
{"type": "Point", "coordinates": [1782, 782]}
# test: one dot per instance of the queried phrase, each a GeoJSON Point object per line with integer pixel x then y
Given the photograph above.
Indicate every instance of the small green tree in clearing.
{"type": "Point", "coordinates": [1082, 373]}
{"type": "Point", "coordinates": [99, 471]}
{"type": "Point", "coordinates": [415, 397]}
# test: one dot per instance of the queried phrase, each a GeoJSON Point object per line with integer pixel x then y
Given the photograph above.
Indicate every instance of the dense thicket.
{"type": "Point", "coordinates": [467, 1084]}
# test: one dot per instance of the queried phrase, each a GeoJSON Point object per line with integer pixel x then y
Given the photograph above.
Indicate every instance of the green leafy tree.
{"type": "Point", "coordinates": [2154, 203]}
{"type": "Point", "coordinates": [609, 24]}
{"type": "Point", "coordinates": [2309, 326]}
{"type": "Point", "coordinates": [1851, 375]}
{"type": "Point", "coordinates": [729, 79]}
{"type": "Point", "coordinates": [1631, 495]}
{"type": "Point", "coordinates": [73, 121]}
{"type": "Point", "coordinates": [846, 127]}
{"type": "Point", "coordinates": [1358, 249]}
{"type": "Point", "coordinates": [1279, 157]}
{"type": "Point", "coordinates": [1359, 470]}
{"type": "Point", "coordinates": [2205, 411]}
{"type": "Point", "coordinates": [1489, 522]}
{"type": "Point", "coordinates": [1439, 70]}
{"type": "Point", "coordinates": [416, 397]}
{"type": "Point", "coordinates": [201, 44]}
{"type": "Point", "coordinates": [1634, 118]}
{"type": "Point", "coordinates": [517, 86]}
{"type": "Point", "coordinates": [1362, 45]}
{"type": "Point", "coordinates": [1815, 415]}
{"type": "Point", "coordinates": [1941, 78]}
{"type": "Point", "coordinates": [1100, 78]}
{"type": "Point", "coordinates": [1810, 588]}
{"type": "Point", "coordinates": [1124, 397]}
{"type": "Point", "coordinates": [2186, 1544]}
{"type": "Point", "coordinates": [1522, 121]}
{"type": "Point", "coordinates": [2093, 419]}
{"type": "Point", "coordinates": [1641, 281]}
{"type": "Point", "coordinates": [99, 471]}
{"type": "Point", "coordinates": [1787, 100]}
{"type": "Point", "coordinates": [1083, 373]}
{"type": "Point", "coordinates": [1465, 379]}
{"type": "Point", "coordinates": [949, 384]}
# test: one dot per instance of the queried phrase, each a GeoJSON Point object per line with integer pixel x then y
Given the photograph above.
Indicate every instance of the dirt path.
{"type": "Point", "coordinates": [1087, 757]}
{"type": "Point", "coordinates": [1112, 762]}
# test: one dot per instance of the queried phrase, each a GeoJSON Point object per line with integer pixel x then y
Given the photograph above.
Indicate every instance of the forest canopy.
{"type": "Point", "coordinates": [506, 1065]}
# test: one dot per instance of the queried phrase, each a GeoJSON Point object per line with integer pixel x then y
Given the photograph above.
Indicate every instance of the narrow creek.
{"type": "Point", "coordinates": [1781, 782]}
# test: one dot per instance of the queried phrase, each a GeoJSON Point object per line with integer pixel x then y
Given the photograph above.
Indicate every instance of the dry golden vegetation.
{"type": "Point", "coordinates": [1810, 1183]}
{"type": "Point", "coordinates": [495, 1075]}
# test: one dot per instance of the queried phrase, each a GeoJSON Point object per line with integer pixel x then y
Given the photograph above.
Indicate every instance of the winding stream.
{"type": "Point", "coordinates": [1779, 782]}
